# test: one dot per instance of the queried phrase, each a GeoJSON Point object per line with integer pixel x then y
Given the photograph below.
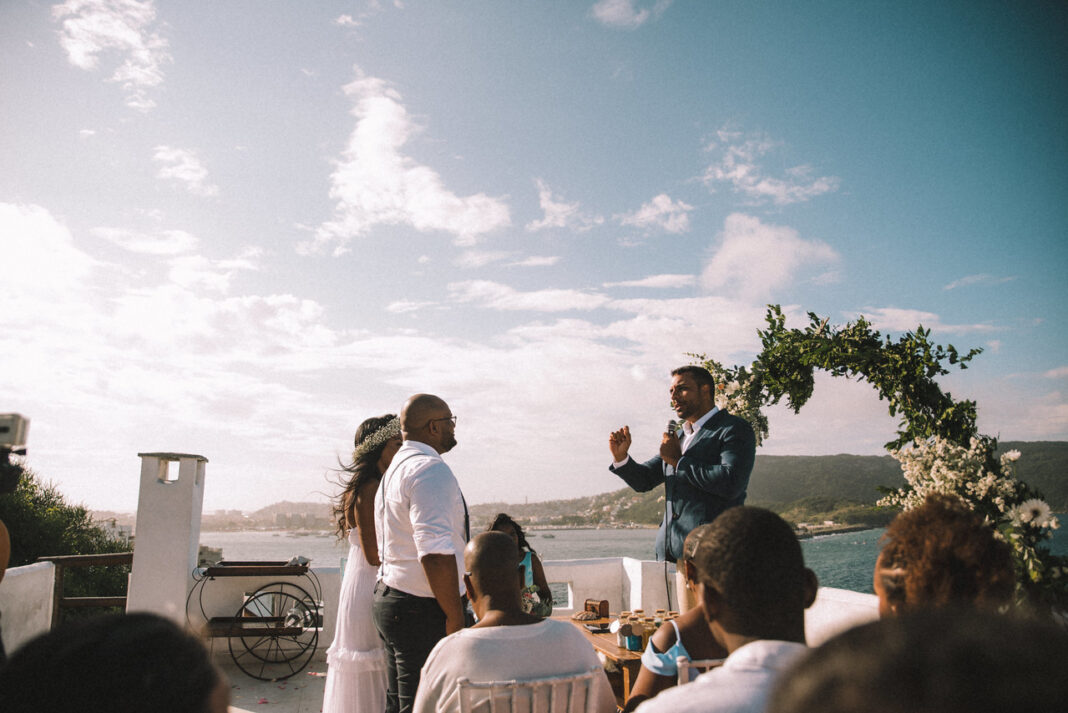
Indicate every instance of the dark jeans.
{"type": "Point", "coordinates": [410, 626]}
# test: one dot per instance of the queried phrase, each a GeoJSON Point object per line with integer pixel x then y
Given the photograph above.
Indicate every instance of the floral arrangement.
{"type": "Point", "coordinates": [531, 602]}
{"type": "Point", "coordinates": [937, 444]}
{"type": "Point", "coordinates": [987, 484]}
{"type": "Point", "coordinates": [388, 430]}
{"type": "Point", "coordinates": [739, 391]}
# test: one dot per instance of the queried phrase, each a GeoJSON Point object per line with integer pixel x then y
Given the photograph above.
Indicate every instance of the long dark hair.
{"type": "Point", "coordinates": [503, 519]}
{"type": "Point", "coordinates": [361, 468]}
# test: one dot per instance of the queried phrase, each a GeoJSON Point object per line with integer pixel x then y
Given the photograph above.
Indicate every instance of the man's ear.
{"type": "Point", "coordinates": [689, 572]}
{"type": "Point", "coordinates": [711, 600]}
{"type": "Point", "coordinates": [812, 586]}
{"type": "Point", "coordinates": [471, 595]}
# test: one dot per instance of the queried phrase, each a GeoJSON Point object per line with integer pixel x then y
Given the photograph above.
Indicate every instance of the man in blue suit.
{"type": "Point", "coordinates": [704, 466]}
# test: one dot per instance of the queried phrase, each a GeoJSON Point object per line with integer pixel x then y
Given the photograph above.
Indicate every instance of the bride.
{"type": "Point", "coordinates": [356, 678]}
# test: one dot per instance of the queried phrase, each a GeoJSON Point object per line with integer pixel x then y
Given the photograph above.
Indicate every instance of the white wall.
{"type": "Point", "coordinates": [835, 611]}
{"type": "Point", "coordinates": [26, 603]}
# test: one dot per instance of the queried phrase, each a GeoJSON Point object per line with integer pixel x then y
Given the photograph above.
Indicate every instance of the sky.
{"type": "Point", "coordinates": [238, 228]}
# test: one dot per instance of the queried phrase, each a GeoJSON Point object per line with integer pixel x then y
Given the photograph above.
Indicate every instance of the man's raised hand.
{"type": "Point", "coordinates": [619, 443]}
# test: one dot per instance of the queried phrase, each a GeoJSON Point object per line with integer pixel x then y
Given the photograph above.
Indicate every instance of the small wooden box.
{"type": "Point", "coordinates": [598, 607]}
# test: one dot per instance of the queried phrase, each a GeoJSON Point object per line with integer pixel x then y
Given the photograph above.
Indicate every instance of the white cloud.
{"type": "Point", "coordinates": [39, 255]}
{"type": "Point", "coordinates": [1060, 372]}
{"type": "Point", "coordinates": [753, 258]}
{"type": "Point", "coordinates": [376, 184]}
{"type": "Point", "coordinates": [86, 133]}
{"type": "Point", "coordinates": [737, 164]}
{"type": "Point", "coordinates": [347, 21]}
{"type": "Point", "coordinates": [406, 306]}
{"type": "Point", "coordinates": [662, 212]}
{"type": "Point", "coordinates": [163, 242]}
{"type": "Point", "coordinates": [184, 166]}
{"type": "Point", "coordinates": [480, 258]}
{"type": "Point", "coordinates": [536, 261]}
{"type": "Point", "coordinates": [198, 272]}
{"type": "Point", "coordinates": [625, 14]}
{"type": "Point", "coordinates": [558, 214]}
{"type": "Point", "coordinates": [981, 279]}
{"type": "Point", "coordinates": [659, 281]}
{"type": "Point", "coordinates": [91, 28]}
{"type": "Point", "coordinates": [894, 319]}
{"type": "Point", "coordinates": [498, 296]}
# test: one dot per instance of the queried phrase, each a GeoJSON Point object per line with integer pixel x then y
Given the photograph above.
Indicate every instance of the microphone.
{"type": "Point", "coordinates": [673, 427]}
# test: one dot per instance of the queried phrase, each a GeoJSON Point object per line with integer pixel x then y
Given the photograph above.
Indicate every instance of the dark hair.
{"type": "Point", "coordinates": [941, 554]}
{"type": "Point", "coordinates": [502, 520]}
{"type": "Point", "coordinates": [360, 469]}
{"type": "Point", "coordinates": [934, 661]}
{"type": "Point", "coordinates": [700, 374]}
{"type": "Point", "coordinates": [114, 663]}
{"type": "Point", "coordinates": [752, 557]}
{"type": "Point", "coordinates": [693, 541]}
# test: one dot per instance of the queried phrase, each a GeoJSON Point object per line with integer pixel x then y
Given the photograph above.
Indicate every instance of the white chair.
{"type": "Point", "coordinates": [557, 694]}
{"type": "Point", "coordinates": [689, 670]}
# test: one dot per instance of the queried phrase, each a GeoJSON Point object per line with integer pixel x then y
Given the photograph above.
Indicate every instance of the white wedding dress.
{"type": "Point", "coordinates": [356, 677]}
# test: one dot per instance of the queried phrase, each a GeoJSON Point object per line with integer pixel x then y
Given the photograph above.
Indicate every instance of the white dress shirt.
{"type": "Point", "coordinates": [741, 685]}
{"type": "Point", "coordinates": [508, 653]}
{"type": "Point", "coordinates": [688, 432]}
{"type": "Point", "coordinates": [419, 511]}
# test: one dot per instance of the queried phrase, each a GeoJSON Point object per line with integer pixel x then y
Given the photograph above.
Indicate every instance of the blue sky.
{"type": "Point", "coordinates": [239, 228]}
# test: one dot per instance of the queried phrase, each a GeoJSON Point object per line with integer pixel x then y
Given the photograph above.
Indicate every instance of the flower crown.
{"type": "Point", "coordinates": [387, 431]}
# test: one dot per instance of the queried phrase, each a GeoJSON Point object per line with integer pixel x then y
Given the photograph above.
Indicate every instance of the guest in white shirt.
{"type": "Point", "coordinates": [506, 644]}
{"type": "Point", "coordinates": [422, 526]}
{"type": "Point", "coordinates": [754, 586]}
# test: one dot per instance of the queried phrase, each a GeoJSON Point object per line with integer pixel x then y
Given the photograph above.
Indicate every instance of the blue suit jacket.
{"type": "Point", "coordinates": [711, 476]}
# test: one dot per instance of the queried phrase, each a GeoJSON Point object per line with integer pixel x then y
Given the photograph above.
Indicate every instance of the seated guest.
{"type": "Point", "coordinates": [942, 554]}
{"type": "Point", "coordinates": [506, 644]}
{"type": "Point", "coordinates": [936, 661]}
{"type": "Point", "coordinates": [116, 663]}
{"type": "Point", "coordinates": [754, 588]}
{"type": "Point", "coordinates": [687, 636]}
{"type": "Point", "coordinates": [531, 573]}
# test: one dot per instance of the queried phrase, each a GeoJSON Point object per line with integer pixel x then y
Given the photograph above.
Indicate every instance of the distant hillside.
{"type": "Point", "coordinates": [801, 488]}
{"type": "Point", "coordinates": [839, 487]}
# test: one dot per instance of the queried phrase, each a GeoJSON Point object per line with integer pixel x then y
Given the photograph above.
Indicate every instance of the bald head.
{"type": "Point", "coordinates": [492, 559]}
{"type": "Point", "coordinates": [427, 418]}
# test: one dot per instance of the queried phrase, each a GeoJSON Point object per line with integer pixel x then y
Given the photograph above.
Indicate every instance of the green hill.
{"type": "Point", "coordinates": [801, 488]}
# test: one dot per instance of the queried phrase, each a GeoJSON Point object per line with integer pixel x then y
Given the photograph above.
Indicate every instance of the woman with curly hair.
{"type": "Point", "coordinates": [531, 573]}
{"type": "Point", "coordinates": [942, 555]}
{"type": "Point", "coordinates": [356, 678]}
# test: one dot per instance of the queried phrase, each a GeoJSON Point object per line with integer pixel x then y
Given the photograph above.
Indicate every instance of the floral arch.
{"type": "Point", "coordinates": [937, 443]}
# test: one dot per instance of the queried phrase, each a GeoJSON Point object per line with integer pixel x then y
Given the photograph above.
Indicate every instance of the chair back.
{"type": "Point", "coordinates": [689, 670]}
{"type": "Point", "coordinates": [573, 693]}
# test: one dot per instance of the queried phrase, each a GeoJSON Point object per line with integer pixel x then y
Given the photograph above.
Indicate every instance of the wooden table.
{"type": "Point", "coordinates": [628, 662]}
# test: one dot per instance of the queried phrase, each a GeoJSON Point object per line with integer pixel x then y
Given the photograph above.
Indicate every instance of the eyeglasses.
{"type": "Point", "coordinates": [443, 418]}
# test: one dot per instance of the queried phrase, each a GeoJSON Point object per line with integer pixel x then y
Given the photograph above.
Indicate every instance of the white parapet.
{"type": "Point", "coordinates": [836, 610]}
{"type": "Point", "coordinates": [26, 602]}
{"type": "Point", "coordinates": [167, 534]}
{"type": "Point", "coordinates": [626, 583]}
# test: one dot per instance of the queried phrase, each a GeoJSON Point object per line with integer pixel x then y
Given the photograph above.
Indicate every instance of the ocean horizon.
{"type": "Point", "coordinates": [840, 560]}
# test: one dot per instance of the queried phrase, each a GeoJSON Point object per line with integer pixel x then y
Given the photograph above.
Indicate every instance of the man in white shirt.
{"type": "Point", "coordinates": [506, 644]}
{"type": "Point", "coordinates": [755, 588]}
{"type": "Point", "coordinates": [422, 526]}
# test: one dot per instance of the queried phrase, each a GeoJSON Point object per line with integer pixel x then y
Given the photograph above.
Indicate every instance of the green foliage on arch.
{"type": "Point", "coordinates": [937, 441]}
{"type": "Point", "coordinates": [902, 372]}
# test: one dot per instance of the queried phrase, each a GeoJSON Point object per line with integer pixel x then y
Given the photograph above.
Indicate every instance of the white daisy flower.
{"type": "Point", "coordinates": [1034, 511]}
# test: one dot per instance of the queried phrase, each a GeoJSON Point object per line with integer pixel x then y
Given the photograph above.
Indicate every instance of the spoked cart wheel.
{"type": "Point", "coordinates": [275, 632]}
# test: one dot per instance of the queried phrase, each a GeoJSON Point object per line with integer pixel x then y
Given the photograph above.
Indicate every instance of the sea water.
{"type": "Point", "coordinates": [844, 560]}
